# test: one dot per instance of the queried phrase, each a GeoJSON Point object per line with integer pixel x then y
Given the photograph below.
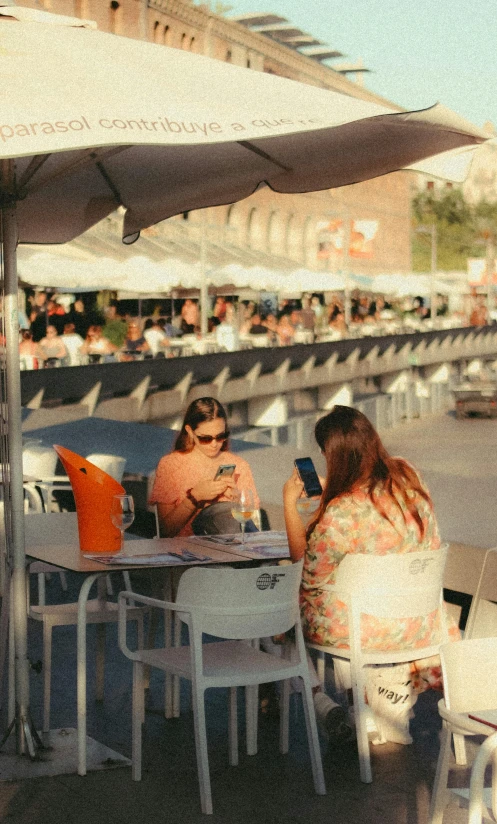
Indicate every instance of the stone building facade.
{"type": "Point", "coordinates": [274, 229]}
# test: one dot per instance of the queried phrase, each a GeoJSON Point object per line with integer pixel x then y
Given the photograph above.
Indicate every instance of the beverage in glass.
{"type": "Point", "coordinates": [243, 507]}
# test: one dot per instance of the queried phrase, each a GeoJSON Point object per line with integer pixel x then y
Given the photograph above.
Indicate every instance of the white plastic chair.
{"type": "Point", "coordinates": [384, 586]}
{"type": "Point", "coordinates": [470, 687]}
{"type": "Point", "coordinates": [482, 618]}
{"type": "Point", "coordinates": [53, 528]}
{"type": "Point", "coordinates": [38, 463]}
{"type": "Point", "coordinates": [112, 464]}
{"type": "Point", "coordinates": [235, 604]}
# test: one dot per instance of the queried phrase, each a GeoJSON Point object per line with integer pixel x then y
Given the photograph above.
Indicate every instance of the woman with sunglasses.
{"type": "Point", "coordinates": [184, 481]}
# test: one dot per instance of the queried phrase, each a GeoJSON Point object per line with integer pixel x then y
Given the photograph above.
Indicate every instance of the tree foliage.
{"type": "Point", "coordinates": [463, 230]}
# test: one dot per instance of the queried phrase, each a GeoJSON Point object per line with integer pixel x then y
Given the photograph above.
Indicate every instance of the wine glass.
{"type": "Point", "coordinates": [242, 507]}
{"type": "Point", "coordinates": [122, 513]}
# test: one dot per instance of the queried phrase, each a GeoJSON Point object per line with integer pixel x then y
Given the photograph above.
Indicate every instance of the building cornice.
{"type": "Point", "coordinates": [307, 69]}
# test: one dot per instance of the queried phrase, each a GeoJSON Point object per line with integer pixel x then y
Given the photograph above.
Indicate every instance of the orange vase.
{"type": "Point", "coordinates": [93, 492]}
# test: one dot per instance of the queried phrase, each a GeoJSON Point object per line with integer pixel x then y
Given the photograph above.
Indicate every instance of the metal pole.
{"type": "Point", "coordinates": [14, 449]}
{"type": "Point", "coordinates": [346, 247]}
{"type": "Point", "coordinates": [490, 264]}
{"type": "Point", "coordinates": [204, 290]}
{"type": "Point", "coordinates": [433, 270]}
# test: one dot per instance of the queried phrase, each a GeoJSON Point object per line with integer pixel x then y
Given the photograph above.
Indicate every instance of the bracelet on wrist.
{"type": "Point", "coordinates": [191, 497]}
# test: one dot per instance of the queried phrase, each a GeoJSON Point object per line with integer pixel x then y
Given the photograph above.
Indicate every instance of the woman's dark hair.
{"type": "Point", "coordinates": [355, 454]}
{"type": "Point", "coordinates": [203, 409]}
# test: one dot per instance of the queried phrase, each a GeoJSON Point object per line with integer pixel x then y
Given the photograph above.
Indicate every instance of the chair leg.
{"type": "Point", "coordinates": [233, 727]}
{"type": "Point", "coordinates": [47, 673]}
{"type": "Point", "coordinates": [494, 783]}
{"type": "Point", "coordinates": [487, 751]}
{"type": "Point", "coordinates": [41, 589]}
{"type": "Point", "coordinates": [284, 715]}
{"type": "Point", "coordinates": [251, 717]}
{"type": "Point", "coordinates": [11, 704]}
{"type": "Point", "coordinates": [140, 637]}
{"type": "Point", "coordinates": [138, 712]}
{"type": "Point", "coordinates": [153, 623]}
{"type": "Point", "coordinates": [460, 749]}
{"type": "Point", "coordinates": [439, 791]}
{"type": "Point", "coordinates": [176, 681]}
{"type": "Point", "coordinates": [358, 688]}
{"type": "Point", "coordinates": [100, 665]}
{"type": "Point", "coordinates": [321, 668]}
{"type": "Point", "coordinates": [313, 738]}
{"type": "Point", "coordinates": [201, 749]}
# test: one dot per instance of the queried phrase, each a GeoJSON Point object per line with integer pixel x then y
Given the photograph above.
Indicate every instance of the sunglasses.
{"type": "Point", "coordinates": [223, 436]}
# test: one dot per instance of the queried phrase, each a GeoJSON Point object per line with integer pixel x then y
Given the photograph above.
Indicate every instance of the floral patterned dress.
{"type": "Point", "coordinates": [352, 523]}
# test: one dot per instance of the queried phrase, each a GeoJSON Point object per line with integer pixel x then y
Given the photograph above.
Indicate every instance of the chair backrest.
{"type": "Point", "coordinates": [39, 461]}
{"type": "Point", "coordinates": [242, 603]}
{"type": "Point", "coordinates": [51, 529]}
{"type": "Point", "coordinates": [482, 618]}
{"type": "Point", "coordinates": [112, 464]}
{"type": "Point", "coordinates": [394, 585]}
{"type": "Point", "coordinates": [468, 669]}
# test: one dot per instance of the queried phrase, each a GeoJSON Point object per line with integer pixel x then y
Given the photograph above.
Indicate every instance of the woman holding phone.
{"type": "Point", "coordinates": [372, 503]}
{"type": "Point", "coordinates": [189, 478]}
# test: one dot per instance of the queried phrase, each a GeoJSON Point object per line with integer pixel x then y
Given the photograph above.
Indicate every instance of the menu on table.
{"type": "Point", "coordinates": [270, 544]}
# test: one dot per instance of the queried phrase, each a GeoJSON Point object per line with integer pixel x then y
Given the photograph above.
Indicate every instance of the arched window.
{"type": "Point", "coordinates": [166, 37]}
{"type": "Point", "coordinates": [293, 239]}
{"type": "Point", "coordinates": [275, 234]}
{"type": "Point", "coordinates": [228, 56]}
{"type": "Point", "coordinates": [309, 241]}
{"type": "Point", "coordinates": [192, 44]}
{"type": "Point", "coordinates": [184, 42]}
{"type": "Point", "coordinates": [156, 32]}
{"type": "Point", "coordinates": [255, 234]}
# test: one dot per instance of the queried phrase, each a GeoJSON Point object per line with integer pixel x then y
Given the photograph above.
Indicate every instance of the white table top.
{"type": "Point", "coordinates": [53, 539]}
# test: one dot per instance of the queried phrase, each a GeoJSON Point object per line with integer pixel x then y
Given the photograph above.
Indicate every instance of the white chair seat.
{"type": "Point", "coordinates": [232, 661]}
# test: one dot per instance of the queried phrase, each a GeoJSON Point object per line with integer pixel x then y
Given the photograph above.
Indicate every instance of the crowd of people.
{"type": "Point", "coordinates": [57, 333]}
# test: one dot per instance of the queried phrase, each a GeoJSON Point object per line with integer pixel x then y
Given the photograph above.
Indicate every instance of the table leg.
{"type": "Point", "coordinates": [81, 669]}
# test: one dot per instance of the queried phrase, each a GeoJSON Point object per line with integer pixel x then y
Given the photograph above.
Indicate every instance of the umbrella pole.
{"type": "Point", "coordinates": [14, 448]}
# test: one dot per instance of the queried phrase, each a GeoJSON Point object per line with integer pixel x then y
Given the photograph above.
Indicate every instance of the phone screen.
{"type": "Point", "coordinates": [225, 470]}
{"type": "Point", "coordinates": [309, 477]}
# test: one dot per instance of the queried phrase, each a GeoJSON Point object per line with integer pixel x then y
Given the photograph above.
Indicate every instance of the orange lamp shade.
{"type": "Point", "coordinates": [93, 491]}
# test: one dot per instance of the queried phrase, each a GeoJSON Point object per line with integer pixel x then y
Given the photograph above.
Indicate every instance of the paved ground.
{"type": "Point", "coordinates": [457, 460]}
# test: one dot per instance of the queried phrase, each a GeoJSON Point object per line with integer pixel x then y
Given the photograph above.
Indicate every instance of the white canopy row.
{"type": "Point", "coordinates": [141, 276]}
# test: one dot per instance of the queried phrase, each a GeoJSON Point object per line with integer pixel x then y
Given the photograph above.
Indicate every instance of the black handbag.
{"type": "Point", "coordinates": [216, 519]}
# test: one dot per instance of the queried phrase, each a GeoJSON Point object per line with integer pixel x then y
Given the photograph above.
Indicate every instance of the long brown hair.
{"type": "Point", "coordinates": [203, 409]}
{"type": "Point", "coordinates": [355, 454]}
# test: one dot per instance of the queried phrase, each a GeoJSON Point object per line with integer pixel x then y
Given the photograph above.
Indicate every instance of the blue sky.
{"type": "Point", "coordinates": [419, 51]}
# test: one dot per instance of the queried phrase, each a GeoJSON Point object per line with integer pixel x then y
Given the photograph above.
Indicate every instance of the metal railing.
{"type": "Point", "coordinates": [384, 412]}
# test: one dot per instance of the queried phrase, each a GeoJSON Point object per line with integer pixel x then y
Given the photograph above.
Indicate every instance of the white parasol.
{"type": "Point", "coordinates": [90, 122]}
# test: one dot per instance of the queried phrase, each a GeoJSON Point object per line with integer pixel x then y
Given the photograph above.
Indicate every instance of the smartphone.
{"type": "Point", "coordinates": [225, 470]}
{"type": "Point", "coordinates": [309, 477]}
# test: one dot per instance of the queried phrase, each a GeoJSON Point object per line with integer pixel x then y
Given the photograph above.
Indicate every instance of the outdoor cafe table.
{"type": "Point", "coordinates": [59, 545]}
